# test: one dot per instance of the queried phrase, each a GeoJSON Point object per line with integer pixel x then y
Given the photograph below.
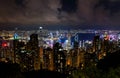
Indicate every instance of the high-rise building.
{"type": "Point", "coordinates": [35, 50]}
{"type": "Point", "coordinates": [59, 58]}
{"type": "Point", "coordinates": [41, 57]}
{"type": "Point", "coordinates": [16, 48]}
{"type": "Point", "coordinates": [48, 59]}
{"type": "Point", "coordinates": [40, 37]}
{"type": "Point", "coordinates": [74, 56]}
{"type": "Point", "coordinates": [96, 43]}
{"type": "Point", "coordinates": [118, 39]}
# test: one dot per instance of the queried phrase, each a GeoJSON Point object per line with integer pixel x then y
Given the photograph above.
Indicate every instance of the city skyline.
{"type": "Point", "coordinates": [60, 51]}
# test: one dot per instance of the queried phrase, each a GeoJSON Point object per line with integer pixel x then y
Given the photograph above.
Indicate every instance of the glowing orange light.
{"type": "Point", "coordinates": [68, 62]}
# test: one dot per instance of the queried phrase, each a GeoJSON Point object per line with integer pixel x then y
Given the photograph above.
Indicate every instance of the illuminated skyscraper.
{"type": "Point", "coordinates": [48, 59]}
{"type": "Point", "coordinates": [96, 43]}
{"type": "Point", "coordinates": [69, 42]}
{"type": "Point", "coordinates": [59, 58]}
{"type": "Point", "coordinates": [35, 50]}
{"type": "Point", "coordinates": [40, 37]}
{"type": "Point", "coordinates": [118, 39]}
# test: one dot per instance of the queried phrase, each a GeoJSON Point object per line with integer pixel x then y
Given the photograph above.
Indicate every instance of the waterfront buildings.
{"type": "Point", "coordinates": [56, 50]}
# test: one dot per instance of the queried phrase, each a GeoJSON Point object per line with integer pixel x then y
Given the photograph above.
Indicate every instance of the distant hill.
{"type": "Point", "coordinates": [12, 26]}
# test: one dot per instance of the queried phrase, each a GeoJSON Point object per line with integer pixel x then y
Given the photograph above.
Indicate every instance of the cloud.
{"type": "Point", "coordinates": [47, 12]}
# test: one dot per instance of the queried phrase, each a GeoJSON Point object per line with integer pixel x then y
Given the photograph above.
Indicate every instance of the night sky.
{"type": "Point", "coordinates": [100, 12]}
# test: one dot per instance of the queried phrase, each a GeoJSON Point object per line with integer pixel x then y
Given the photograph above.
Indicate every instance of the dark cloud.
{"type": "Point", "coordinates": [20, 3]}
{"type": "Point", "coordinates": [112, 5]}
{"type": "Point", "coordinates": [69, 5]}
{"type": "Point", "coordinates": [35, 11]}
{"type": "Point", "coordinates": [60, 11]}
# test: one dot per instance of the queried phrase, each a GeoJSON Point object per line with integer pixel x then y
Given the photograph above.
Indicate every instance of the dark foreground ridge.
{"type": "Point", "coordinates": [9, 70]}
{"type": "Point", "coordinates": [110, 61]}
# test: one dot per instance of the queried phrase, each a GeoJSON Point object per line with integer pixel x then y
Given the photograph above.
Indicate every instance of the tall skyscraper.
{"type": "Point", "coordinates": [96, 43]}
{"type": "Point", "coordinates": [35, 50]}
{"type": "Point", "coordinates": [59, 58]}
{"type": "Point", "coordinates": [40, 37]}
{"type": "Point", "coordinates": [48, 59]}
